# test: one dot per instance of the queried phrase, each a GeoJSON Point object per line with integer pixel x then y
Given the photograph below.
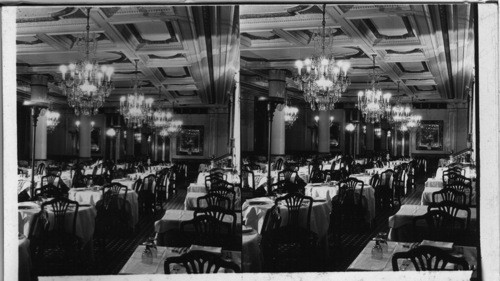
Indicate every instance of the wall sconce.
{"type": "Point", "coordinates": [138, 137]}
{"type": "Point", "coordinates": [350, 127]}
{"type": "Point", "coordinates": [364, 129]}
{"type": "Point", "coordinates": [92, 123]}
{"type": "Point", "coordinates": [316, 120]}
{"type": "Point", "coordinates": [388, 134]}
{"type": "Point", "coordinates": [111, 132]}
{"type": "Point", "coordinates": [378, 132]}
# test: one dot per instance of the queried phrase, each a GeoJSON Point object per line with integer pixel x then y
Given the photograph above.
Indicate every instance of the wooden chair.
{"type": "Point", "coordinates": [428, 258]}
{"type": "Point", "coordinates": [197, 262]}
{"type": "Point", "coordinates": [384, 190]}
{"type": "Point", "coordinates": [350, 201]}
{"type": "Point", "coordinates": [213, 199]}
{"type": "Point", "coordinates": [466, 189]}
{"type": "Point", "coordinates": [439, 226]}
{"type": "Point", "coordinates": [62, 234]}
{"type": "Point", "coordinates": [449, 194]}
{"type": "Point", "coordinates": [317, 176]}
{"type": "Point", "coordinates": [146, 194]}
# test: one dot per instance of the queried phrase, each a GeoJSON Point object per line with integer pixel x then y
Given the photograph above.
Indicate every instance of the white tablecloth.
{"type": "Point", "coordinates": [229, 177]}
{"type": "Point", "coordinates": [86, 196]}
{"type": "Point", "coordinates": [25, 266]}
{"type": "Point", "coordinates": [467, 172]}
{"type": "Point", "coordinates": [190, 202]}
{"type": "Point", "coordinates": [195, 187]}
{"type": "Point", "coordinates": [85, 221]}
{"type": "Point", "coordinates": [406, 214]}
{"type": "Point", "coordinates": [254, 215]}
{"type": "Point", "coordinates": [434, 182]}
{"type": "Point", "coordinates": [135, 265]}
{"type": "Point", "coordinates": [427, 196]}
{"type": "Point", "coordinates": [365, 262]}
{"type": "Point", "coordinates": [172, 220]}
{"type": "Point", "coordinates": [252, 259]}
{"type": "Point", "coordinates": [322, 190]}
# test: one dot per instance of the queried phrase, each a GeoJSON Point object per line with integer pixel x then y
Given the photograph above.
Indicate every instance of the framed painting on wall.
{"type": "Point", "coordinates": [430, 135]}
{"type": "Point", "coordinates": [190, 141]}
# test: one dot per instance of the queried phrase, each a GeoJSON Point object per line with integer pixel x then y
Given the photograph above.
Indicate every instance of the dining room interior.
{"type": "Point", "coordinates": [359, 135]}
{"type": "Point", "coordinates": [161, 139]}
{"type": "Point", "coordinates": [121, 113]}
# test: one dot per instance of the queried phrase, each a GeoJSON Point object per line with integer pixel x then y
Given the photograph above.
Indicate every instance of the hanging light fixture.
{"type": "Point", "coordinates": [160, 118]}
{"type": "Point", "coordinates": [173, 126]}
{"type": "Point", "coordinates": [414, 122]}
{"type": "Point", "coordinates": [52, 118]}
{"type": "Point", "coordinates": [291, 113]}
{"type": "Point", "coordinates": [324, 79]}
{"type": "Point", "coordinates": [135, 108]}
{"type": "Point", "coordinates": [372, 102]}
{"type": "Point", "coordinates": [87, 84]}
{"type": "Point", "coordinates": [164, 133]}
{"type": "Point", "coordinates": [400, 112]}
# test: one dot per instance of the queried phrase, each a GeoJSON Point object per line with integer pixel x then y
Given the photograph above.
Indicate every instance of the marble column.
{"type": "Point", "coordinates": [324, 132]}
{"type": "Point", "coordinates": [85, 130]}
{"type": "Point", "coordinates": [277, 88]}
{"type": "Point", "coordinates": [39, 93]}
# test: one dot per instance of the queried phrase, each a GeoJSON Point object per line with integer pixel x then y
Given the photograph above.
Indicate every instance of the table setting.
{"type": "Point", "coordinates": [145, 261]}
{"type": "Point", "coordinates": [375, 257]}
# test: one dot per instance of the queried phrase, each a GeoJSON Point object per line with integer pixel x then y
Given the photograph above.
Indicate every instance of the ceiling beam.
{"type": "Point", "coordinates": [127, 48]}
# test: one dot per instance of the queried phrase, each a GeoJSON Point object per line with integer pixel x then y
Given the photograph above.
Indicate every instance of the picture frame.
{"type": "Point", "coordinates": [429, 135]}
{"type": "Point", "coordinates": [190, 141]}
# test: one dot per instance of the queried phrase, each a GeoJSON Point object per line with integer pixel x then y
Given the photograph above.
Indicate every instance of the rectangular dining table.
{"type": "Point", "coordinates": [365, 262]}
{"type": "Point", "coordinates": [135, 265]}
{"type": "Point", "coordinates": [399, 222]}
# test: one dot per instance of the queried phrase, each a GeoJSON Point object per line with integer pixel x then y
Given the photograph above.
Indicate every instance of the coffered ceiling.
{"type": "Point", "coordinates": [429, 48]}
{"type": "Point", "coordinates": [185, 54]}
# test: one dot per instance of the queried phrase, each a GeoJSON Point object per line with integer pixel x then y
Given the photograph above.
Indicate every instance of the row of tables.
{"type": "Point", "coordinates": [85, 222]}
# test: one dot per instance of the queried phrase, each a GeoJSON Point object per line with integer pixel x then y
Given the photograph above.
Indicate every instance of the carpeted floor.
{"type": "Point", "coordinates": [119, 250]}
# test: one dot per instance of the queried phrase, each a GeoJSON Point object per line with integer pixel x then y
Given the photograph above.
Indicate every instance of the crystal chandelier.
{"type": "Point", "coordinates": [413, 121]}
{"type": "Point", "coordinates": [160, 118]}
{"type": "Point", "coordinates": [87, 84]}
{"type": "Point", "coordinates": [174, 127]}
{"type": "Point", "coordinates": [373, 104]}
{"type": "Point", "coordinates": [324, 80]}
{"type": "Point", "coordinates": [291, 114]}
{"type": "Point", "coordinates": [164, 121]}
{"type": "Point", "coordinates": [399, 113]}
{"type": "Point", "coordinates": [135, 108]}
{"type": "Point", "coordinates": [164, 133]}
{"type": "Point", "coordinates": [52, 118]}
